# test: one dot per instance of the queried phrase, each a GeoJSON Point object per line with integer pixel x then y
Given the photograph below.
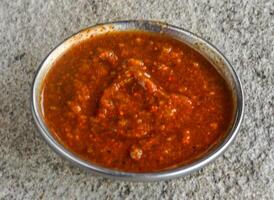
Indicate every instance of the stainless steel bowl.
{"type": "Point", "coordinates": [197, 43]}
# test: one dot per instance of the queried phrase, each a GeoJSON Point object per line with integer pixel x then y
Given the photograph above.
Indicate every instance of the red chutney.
{"type": "Point", "coordinates": [136, 101]}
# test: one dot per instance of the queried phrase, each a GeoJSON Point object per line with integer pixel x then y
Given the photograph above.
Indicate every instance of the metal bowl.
{"type": "Point", "coordinates": [205, 48]}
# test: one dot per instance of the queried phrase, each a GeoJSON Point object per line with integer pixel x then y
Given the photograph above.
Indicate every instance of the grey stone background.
{"type": "Point", "coordinates": [242, 30]}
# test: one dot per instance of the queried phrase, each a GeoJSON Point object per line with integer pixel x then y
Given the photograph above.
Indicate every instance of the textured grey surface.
{"type": "Point", "coordinates": [242, 30]}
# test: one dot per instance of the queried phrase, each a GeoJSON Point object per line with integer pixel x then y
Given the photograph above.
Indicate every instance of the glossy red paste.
{"type": "Point", "coordinates": [136, 101]}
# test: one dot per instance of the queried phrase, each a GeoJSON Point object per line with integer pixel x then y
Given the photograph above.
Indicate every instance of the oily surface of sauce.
{"type": "Point", "coordinates": [136, 101]}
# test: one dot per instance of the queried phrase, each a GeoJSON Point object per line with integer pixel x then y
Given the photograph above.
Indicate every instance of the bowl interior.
{"type": "Point", "coordinates": [200, 45]}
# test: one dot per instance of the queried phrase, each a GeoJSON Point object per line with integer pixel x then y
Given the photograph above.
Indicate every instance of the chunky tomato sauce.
{"type": "Point", "coordinates": [136, 101]}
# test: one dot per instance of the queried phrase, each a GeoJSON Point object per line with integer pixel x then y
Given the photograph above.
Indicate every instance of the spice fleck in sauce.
{"type": "Point", "coordinates": [136, 101]}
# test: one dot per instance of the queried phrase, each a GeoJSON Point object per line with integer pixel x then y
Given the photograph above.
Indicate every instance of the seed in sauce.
{"type": "Point", "coordinates": [136, 153]}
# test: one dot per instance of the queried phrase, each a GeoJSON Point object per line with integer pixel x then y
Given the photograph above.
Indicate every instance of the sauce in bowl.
{"type": "Point", "coordinates": [136, 101]}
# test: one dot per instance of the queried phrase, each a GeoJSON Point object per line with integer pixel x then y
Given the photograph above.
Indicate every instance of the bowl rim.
{"type": "Point", "coordinates": [146, 176]}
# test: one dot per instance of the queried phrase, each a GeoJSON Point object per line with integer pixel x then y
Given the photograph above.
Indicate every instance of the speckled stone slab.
{"type": "Point", "coordinates": [242, 30]}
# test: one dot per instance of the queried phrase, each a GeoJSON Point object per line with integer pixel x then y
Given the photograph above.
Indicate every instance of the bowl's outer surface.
{"type": "Point", "coordinates": [206, 49]}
